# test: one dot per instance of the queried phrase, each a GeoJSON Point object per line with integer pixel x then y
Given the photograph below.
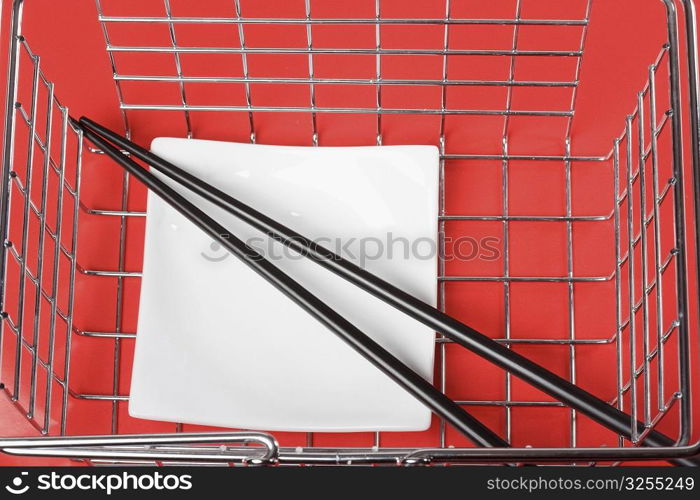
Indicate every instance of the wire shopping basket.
{"type": "Point", "coordinates": [585, 262]}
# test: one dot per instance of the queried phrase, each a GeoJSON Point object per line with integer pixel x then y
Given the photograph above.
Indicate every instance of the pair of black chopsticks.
{"type": "Point", "coordinates": [548, 382]}
{"type": "Point", "coordinates": [373, 352]}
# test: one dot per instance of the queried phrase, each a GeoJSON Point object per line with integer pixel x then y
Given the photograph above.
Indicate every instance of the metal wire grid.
{"type": "Point", "coordinates": [635, 172]}
{"type": "Point", "coordinates": [379, 82]}
{"type": "Point", "coordinates": [44, 282]}
{"type": "Point", "coordinates": [621, 160]}
{"type": "Point", "coordinates": [246, 79]}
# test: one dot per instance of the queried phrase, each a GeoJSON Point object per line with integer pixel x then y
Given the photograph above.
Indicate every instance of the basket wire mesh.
{"type": "Point", "coordinates": [651, 270]}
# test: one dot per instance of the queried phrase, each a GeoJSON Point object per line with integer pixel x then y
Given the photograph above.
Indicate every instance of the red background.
{"type": "Point", "coordinates": [624, 37]}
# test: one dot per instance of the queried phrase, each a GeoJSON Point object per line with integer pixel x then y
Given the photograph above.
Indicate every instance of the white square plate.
{"type": "Point", "coordinates": [218, 345]}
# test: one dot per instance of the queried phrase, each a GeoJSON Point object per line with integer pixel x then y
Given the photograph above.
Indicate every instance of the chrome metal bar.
{"type": "Point", "coordinates": [314, 126]}
{"type": "Point", "coordinates": [618, 281]}
{"type": "Point", "coordinates": [178, 66]}
{"type": "Point", "coordinates": [631, 325]}
{"type": "Point", "coordinates": [554, 158]}
{"type": "Point", "coordinates": [321, 50]}
{"type": "Point", "coordinates": [505, 190]}
{"type": "Point", "coordinates": [8, 148]}
{"type": "Point", "coordinates": [244, 64]}
{"type": "Point", "coordinates": [149, 446]}
{"type": "Point", "coordinates": [573, 430]}
{"type": "Point", "coordinates": [71, 282]}
{"type": "Point", "coordinates": [312, 88]}
{"type": "Point", "coordinates": [691, 31]}
{"type": "Point", "coordinates": [56, 270]}
{"type": "Point", "coordinates": [122, 229]}
{"type": "Point", "coordinates": [528, 279]}
{"type": "Point", "coordinates": [25, 227]}
{"type": "Point", "coordinates": [442, 306]}
{"type": "Point", "coordinates": [320, 109]}
{"type": "Point", "coordinates": [408, 456]}
{"type": "Point", "coordinates": [657, 235]}
{"type": "Point", "coordinates": [350, 21]}
{"type": "Point", "coordinates": [40, 261]}
{"type": "Point", "coordinates": [679, 221]}
{"type": "Point", "coordinates": [113, 63]}
{"type": "Point", "coordinates": [573, 427]}
{"type": "Point", "coordinates": [342, 81]}
{"type": "Point", "coordinates": [378, 67]}
{"type": "Point", "coordinates": [643, 257]}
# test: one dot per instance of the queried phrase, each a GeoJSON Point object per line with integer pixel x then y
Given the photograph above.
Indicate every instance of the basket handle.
{"type": "Point", "coordinates": [159, 447]}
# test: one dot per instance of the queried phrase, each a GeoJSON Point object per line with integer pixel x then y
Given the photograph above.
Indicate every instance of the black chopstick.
{"type": "Point", "coordinates": [368, 348]}
{"type": "Point", "coordinates": [545, 380]}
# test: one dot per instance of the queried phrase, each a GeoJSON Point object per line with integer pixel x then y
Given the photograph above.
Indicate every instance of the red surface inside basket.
{"type": "Point", "coordinates": [623, 39]}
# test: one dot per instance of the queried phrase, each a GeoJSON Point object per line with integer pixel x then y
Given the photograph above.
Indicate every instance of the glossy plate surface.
{"type": "Point", "coordinates": [218, 345]}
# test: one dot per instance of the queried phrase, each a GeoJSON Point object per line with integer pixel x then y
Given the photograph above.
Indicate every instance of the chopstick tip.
{"type": "Point", "coordinates": [76, 123]}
